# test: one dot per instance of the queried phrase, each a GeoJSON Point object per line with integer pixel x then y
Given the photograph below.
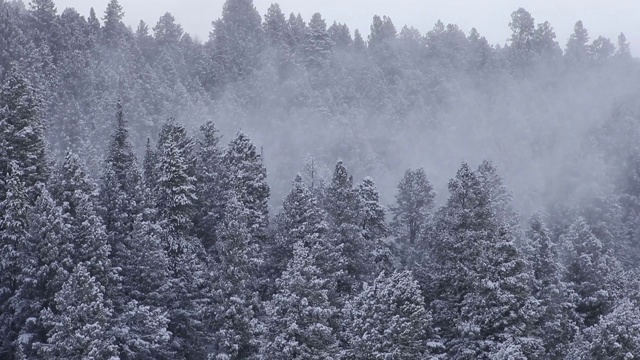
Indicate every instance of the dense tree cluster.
{"type": "Point", "coordinates": [179, 254]}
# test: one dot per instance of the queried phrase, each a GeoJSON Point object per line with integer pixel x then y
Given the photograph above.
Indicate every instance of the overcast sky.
{"type": "Point", "coordinates": [489, 17]}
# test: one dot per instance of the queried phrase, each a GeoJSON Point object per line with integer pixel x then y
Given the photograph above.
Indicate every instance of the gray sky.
{"type": "Point", "coordinates": [490, 17]}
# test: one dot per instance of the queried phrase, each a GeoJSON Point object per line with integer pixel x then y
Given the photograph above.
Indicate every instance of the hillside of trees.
{"type": "Point", "coordinates": [290, 190]}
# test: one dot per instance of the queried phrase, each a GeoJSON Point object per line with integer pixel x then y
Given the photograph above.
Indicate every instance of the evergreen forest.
{"type": "Point", "coordinates": [293, 189]}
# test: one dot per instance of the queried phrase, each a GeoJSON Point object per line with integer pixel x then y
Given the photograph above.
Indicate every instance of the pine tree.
{"type": "Point", "coordinates": [358, 41]}
{"type": "Point", "coordinates": [21, 134]}
{"type": "Point", "coordinates": [411, 216]}
{"type": "Point", "coordinates": [588, 272]}
{"type": "Point", "coordinates": [389, 320]}
{"type": "Point", "coordinates": [93, 27]}
{"type": "Point", "coordinates": [113, 29]}
{"type": "Point", "coordinates": [374, 225]}
{"type": "Point", "coordinates": [545, 45]}
{"type": "Point", "coordinates": [167, 32]}
{"type": "Point", "coordinates": [237, 305]}
{"type": "Point", "coordinates": [414, 201]}
{"type": "Point", "coordinates": [246, 176]}
{"type": "Point", "coordinates": [299, 315]}
{"type": "Point", "coordinates": [79, 324]}
{"type": "Point", "coordinates": [343, 210]}
{"type": "Point", "coordinates": [601, 49]}
{"type": "Point", "coordinates": [381, 43]}
{"type": "Point", "coordinates": [175, 189]}
{"type": "Point", "coordinates": [300, 217]}
{"type": "Point", "coordinates": [479, 280]}
{"type": "Point", "coordinates": [623, 50]}
{"type": "Point", "coordinates": [148, 166]}
{"type": "Point", "coordinates": [120, 189]}
{"type": "Point", "coordinates": [14, 250]}
{"type": "Point", "coordinates": [522, 39]}
{"type": "Point", "coordinates": [499, 195]}
{"type": "Point", "coordinates": [302, 220]}
{"type": "Point", "coordinates": [296, 34]}
{"type": "Point", "coordinates": [46, 26]}
{"type": "Point", "coordinates": [577, 51]}
{"type": "Point", "coordinates": [275, 26]}
{"type": "Point", "coordinates": [83, 228]}
{"type": "Point", "coordinates": [317, 43]}
{"type": "Point", "coordinates": [47, 268]}
{"type": "Point", "coordinates": [236, 41]}
{"type": "Point", "coordinates": [210, 185]}
{"type": "Point", "coordinates": [616, 336]}
{"type": "Point", "coordinates": [188, 300]}
{"type": "Point", "coordinates": [340, 35]}
{"type": "Point", "coordinates": [175, 202]}
{"type": "Point", "coordinates": [556, 322]}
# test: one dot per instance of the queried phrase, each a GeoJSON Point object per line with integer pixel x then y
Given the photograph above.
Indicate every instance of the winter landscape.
{"type": "Point", "coordinates": [292, 188]}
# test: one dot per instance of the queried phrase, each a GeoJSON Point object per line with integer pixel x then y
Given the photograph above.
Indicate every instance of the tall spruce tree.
{"type": "Point", "coordinates": [235, 293]}
{"type": "Point", "coordinates": [373, 223]}
{"type": "Point", "coordinates": [84, 231]}
{"type": "Point", "coordinates": [616, 336]}
{"type": "Point", "coordinates": [14, 252]}
{"type": "Point", "coordinates": [414, 202]}
{"type": "Point", "coordinates": [389, 320]}
{"type": "Point", "coordinates": [175, 184]}
{"type": "Point", "coordinates": [481, 299]}
{"type": "Point", "coordinates": [120, 191]}
{"type": "Point", "coordinates": [299, 316]}
{"type": "Point", "coordinates": [47, 268]}
{"type": "Point", "coordinates": [589, 272]}
{"type": "Point", "coordinates": [556, 321]}
{"type": "Point", "coordinates": [343, 210]}
{"type": "Point", "coordinates": [80, 324]}
{"type": "Point", "coordinates": [210, 183]}
{"type": "Point", "coordinates": [21, 134]}
{"type": "Point", "coordinates": [247, 177]}
{"type": "Point", "coordinates": [236, 41]}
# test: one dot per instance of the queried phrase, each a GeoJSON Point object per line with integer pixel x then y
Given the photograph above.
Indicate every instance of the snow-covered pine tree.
{"type": "Point", "coordinates": [21, 134]}
{"type": "Point", "coordinates": [389, 320]}
{"type": "Point", "coordinates": [236, 41]}
{"type": "Point", "coordinates": [414, 202]}
{"type": "Point", "coordinates": [148, 166]}
{"type": "Point", "coordinates": [302, 220]}
{"type": "Point", "coordinates": [210, 184]}
{"type": "Point", "coordinates": [175, 188]}
{"type": "Point", "coordinates": [299, 317]}
{"type": "Point", "coordinates": [235, 293]}
{"type": "Point", "coordinates": [480, 292]}
{"type": "Point", "coordinates": [616, 336]}
{"type": "Point", "coordinates": [144, 295]}
{"type": "Point", "coordinates": [80, 321]}
{"type": "Point", "coordinates": [14, 252]}
{"type": "Point", "coordinates": [300, 217]}
{"type": "Point", "coordinates": [120, 191]}
{"type": "Point", "coordinates": [499, 195]}
{"type": "Point", "coordinates": [556, 322]}
{"type": "Point", "coordinates": [246, 176]}
{"type": "Point", "coordinates": [588, 272]}
{"type": "Point", "coordinates": [75, 192]}
{"type": "Point", "coordinates": [317, 43]}
{"type": "Point", "coordinates": [187, 295]}
{"type": "Point", "coordinates": [343, 210]}
{"type": "Point", "coordinates": [373, 223]}
{"type": "Point", "coordinates": [46, 270]}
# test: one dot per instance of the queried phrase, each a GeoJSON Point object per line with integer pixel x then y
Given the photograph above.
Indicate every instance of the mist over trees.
{"type": "Point", "coordinates": [292, 189]}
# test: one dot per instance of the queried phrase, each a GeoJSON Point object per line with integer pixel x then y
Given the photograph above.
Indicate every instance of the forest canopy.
{"type": "Point", "coordinates": [288, 189]}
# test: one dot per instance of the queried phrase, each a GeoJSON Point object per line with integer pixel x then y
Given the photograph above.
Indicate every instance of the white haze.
{"type": "Point", "coordinates": [536, 130]}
